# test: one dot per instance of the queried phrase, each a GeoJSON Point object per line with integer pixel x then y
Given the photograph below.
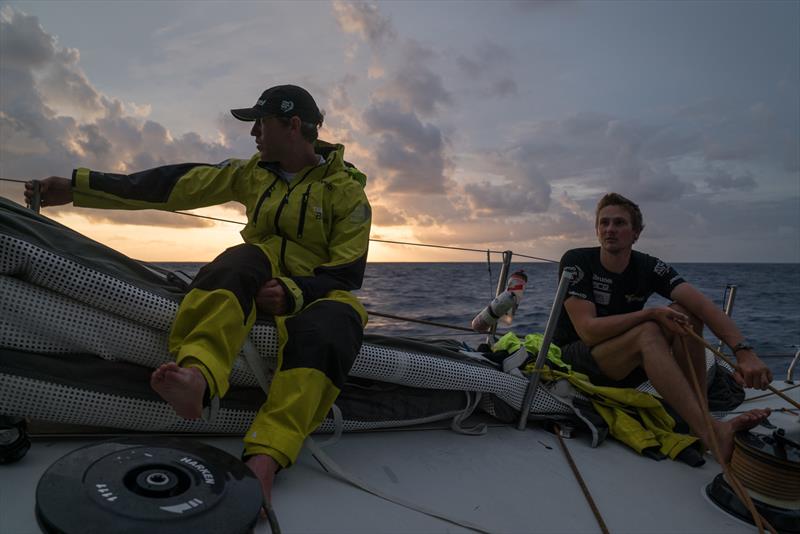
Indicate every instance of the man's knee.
{"type": "Point", "coordinates": [649, 333]}
{"type": "Point", "coordinates": [240, 268]}
{"type": "Point", "coordinates": [326, 336]}
{"type": "Point", "coordinates": [697, 324]}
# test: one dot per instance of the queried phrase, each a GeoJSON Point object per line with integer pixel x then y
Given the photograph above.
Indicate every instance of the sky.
{"type": "Point", "coordinates": [479, 124]}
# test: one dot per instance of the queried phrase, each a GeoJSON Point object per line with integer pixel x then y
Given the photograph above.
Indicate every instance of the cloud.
{"type": "Point", "coordinates": [738, 133]}
{"type": "Point", "coordinates": [384, 216]}
{"type": "Point", "coordinates": [511, 199]}
{"type": "Point", "coordinates": [721, 179]}
{"type": "Point", "coordinates": [23, 40]}
{"type": "Point", "coordinates": [487, 70]}
{"type": "Point", "coordinates": [52, 119]}
{"type": "Point", "coordinates": [365, 20]}
{"type": "Point", "coordinates": [141, 218]}
{"type": "Point", "coordinates": [409, 154]}
{"type": "Point", "coordinates": [414, 84]}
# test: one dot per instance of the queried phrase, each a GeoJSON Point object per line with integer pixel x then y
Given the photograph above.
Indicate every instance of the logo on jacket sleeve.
{"type": "Point", "coordinates": [360, 214]}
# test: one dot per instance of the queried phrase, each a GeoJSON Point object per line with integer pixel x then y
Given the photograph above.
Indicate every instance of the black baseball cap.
{"type": "Point", "coordinates": [282, 101]}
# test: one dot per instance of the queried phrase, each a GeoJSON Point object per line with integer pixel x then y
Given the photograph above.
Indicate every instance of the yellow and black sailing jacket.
{"type": "Point", "coordinates": [315, 229]}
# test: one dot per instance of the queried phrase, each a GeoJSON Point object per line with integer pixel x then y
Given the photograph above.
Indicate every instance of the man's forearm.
{"type": "Point", "coordinates": [711, 315]}
{"type": "Point", "coordinates": [721, 325]}
{"type": "Point", "coordinates": [598, 329]}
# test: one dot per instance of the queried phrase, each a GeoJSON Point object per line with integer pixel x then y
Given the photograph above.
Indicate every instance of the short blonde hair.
{"type": "Point", "coordinates": [615, 199]}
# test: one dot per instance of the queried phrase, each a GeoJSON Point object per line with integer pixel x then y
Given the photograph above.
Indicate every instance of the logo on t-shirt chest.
{"type": "Point", "coordinates": [601, 287]}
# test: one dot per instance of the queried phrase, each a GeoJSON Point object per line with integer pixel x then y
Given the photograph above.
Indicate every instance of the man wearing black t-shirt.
{"type": "Point", "coordinates": [607, 334]}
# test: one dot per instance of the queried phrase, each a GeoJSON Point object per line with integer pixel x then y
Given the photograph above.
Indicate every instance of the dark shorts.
{"type": "Point", "coordinates": [579, 356]}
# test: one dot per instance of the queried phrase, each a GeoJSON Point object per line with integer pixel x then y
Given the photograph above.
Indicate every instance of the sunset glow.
{"type": "Point", "coordinates": [495, 125]}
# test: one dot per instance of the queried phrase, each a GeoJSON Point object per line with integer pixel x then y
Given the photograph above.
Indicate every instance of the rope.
{"type": "Point", "coordinates": [780, 482]}
{"type": "Point", "coordinates": [374, 240]}
{"type": "Point", "coordinates": [581, 483]}
{"type": "Point", "coordinates": [422, 321]}
{"type": "Point", "coordinates": [336, 471]}
{"type": "Point", "coordinates": [737, 487]}
{"type": "Point", "coordinates": [771, 409]}
{"type": "Point", "coordinates": [770, 394]}
{"type": "Point", "coordinates": [272, 519]}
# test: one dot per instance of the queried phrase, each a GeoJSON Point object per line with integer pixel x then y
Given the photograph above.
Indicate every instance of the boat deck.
{"type": "Point", "coordinates": [506, 481]}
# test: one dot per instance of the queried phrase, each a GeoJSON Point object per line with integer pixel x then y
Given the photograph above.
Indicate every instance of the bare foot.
{"type": "Point", "coordinates": [726, 429]}
{"type": "Point", "coordinates": [182, 387]}
{"type": "Point", "coordinates": [264, 467]}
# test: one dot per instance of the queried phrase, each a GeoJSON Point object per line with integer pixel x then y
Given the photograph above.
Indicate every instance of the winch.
{"type": "Point", "coordinates": [14, 442]}
{"type": "Point", "coordinates": [148, 484]}
{"type": "Point", "coordinates": [768, 465]}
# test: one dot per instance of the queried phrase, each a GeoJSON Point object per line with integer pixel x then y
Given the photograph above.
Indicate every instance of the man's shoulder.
{"type": "Point", "coordinates": [645, 261]}
{"type": "Point", "coordinates": [582, 254]}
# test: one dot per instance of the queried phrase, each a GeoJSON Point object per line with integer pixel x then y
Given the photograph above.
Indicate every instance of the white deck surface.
{"type": "Point", "coordinates": [506, 481]}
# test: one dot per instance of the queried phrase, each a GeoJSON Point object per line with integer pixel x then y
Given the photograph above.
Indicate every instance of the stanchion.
{"type": "Point", "coordinates": [552, 321]}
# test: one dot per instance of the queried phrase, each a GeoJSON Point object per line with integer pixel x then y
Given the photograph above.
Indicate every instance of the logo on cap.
{"type": "Point", "coordinates": [287, 105]}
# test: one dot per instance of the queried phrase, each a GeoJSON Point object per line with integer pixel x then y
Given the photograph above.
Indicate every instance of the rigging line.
{"type": "Point", "coordinates": [207, 217]}
{"type": "Point", "coordinates": [782, 409]}
{"type": "Point", "coordinates": [729, 362]}
{"type": "Point", "coordinates": [733, 481]}
{"type": "Point", "coordinates": [769, 394]}
{"type": "Point", "coordinates": [420, 321]}
{"type": "Point", "coordinates": [488, 251]}
{"type": "Point", "coordinates": [436, 246]}
{"type": "Point", "coordinates": [581, 483]}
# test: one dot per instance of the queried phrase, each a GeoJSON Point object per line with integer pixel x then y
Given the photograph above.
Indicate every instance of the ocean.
{"type": "Point", "coordinates": [766, 307]}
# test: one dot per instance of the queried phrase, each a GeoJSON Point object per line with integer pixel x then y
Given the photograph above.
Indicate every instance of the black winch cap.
{"type": "Point", "coordinates": [14, 441]}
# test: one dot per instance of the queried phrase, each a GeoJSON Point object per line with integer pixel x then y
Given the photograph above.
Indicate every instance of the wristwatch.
{"type": "Point", "coordinates": [742, 345]}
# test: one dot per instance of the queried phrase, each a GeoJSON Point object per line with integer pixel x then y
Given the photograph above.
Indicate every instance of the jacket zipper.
{"type": "Point", "coordinates": [264, 196]}
{"type": "Point", "coordinates": [303, 208]}
{"type": "Point", "coordinates": [284, 202]}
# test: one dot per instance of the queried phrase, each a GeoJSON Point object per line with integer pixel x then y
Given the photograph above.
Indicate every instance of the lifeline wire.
{"type": "Point", "coordinates": [422, 321]}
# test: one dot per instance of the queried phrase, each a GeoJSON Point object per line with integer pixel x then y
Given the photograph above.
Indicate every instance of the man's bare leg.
{"type": "Point", "coordinates": [697, 360]}
{"type": "Point", "coordinates": [182, 387]}
{"type": "Point", "coordinates": [264, 467]}
{"type": "Point", "coordinates": [697, 352]}
{"type": "Point", "coordinates": [647, 346]}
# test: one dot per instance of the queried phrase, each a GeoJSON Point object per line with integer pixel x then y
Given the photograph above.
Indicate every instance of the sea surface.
{"type": "Point", "coordinates": [766, 307]}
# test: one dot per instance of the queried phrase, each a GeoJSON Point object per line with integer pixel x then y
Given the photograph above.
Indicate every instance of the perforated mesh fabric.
{"type": "Point", "coordinates": [39, 320]}
{"type": "Point", "coordinates": [50, 401]}
{"type": "Point", "coordinates": [98, 305]}
{"type": "Point", "coordinates": [43, 268]}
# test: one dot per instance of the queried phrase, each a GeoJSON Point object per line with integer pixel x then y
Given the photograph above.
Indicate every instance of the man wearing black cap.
{"type": "Point", "coordinates": [305, 248]}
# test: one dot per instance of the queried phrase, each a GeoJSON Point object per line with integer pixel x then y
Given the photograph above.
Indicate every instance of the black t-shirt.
{"type": "Point", "coordinates": [612, 293]}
